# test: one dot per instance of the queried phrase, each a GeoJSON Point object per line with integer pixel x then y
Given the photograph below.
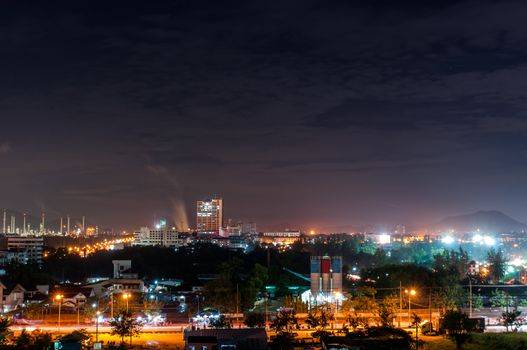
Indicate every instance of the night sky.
{"type": "Point", "coordinates": [310, 114]}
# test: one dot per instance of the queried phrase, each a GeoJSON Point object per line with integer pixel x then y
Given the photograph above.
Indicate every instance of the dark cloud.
{"type": "Point", "coordinates": [5, 147]}
{"type": "Point", "coordinates": [330, 108]}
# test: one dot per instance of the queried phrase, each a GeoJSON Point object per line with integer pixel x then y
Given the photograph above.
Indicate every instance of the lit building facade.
{"type": "Point", "coordinates": [161, 237]}
{"type": "Point", "coordinates": [32, 247]}
{"type": "Point", "coordinates": [209, 216]}
{"type": "Point", "coordinates": [279, 238]}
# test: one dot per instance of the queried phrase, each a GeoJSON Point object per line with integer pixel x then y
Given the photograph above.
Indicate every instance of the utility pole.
{"type": "Point", "coordinates": [470, 296]}
{"type": "Point", "coordinates": [237, 304]}
{"type": "Point", "coordinates": [266, 320]}
{"type": "Point", "coordinates": [400, 303]}
{"type": "Point", "coordinates": [97, 326]}
{"type": "Point", "coordinates": [430, 309]}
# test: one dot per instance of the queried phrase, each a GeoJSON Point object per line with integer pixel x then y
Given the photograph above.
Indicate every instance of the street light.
{"type": "Point", "coordinates": [59, 298]}
{"type": "Point", "coordinates": [97, 326]}
{"type": "Point", "coordinates": [410, 293]}
{"type": "Point", "coordinates": [126, 296]}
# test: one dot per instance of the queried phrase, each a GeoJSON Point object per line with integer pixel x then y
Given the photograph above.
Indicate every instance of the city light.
{"type": "Point", "coordinates": [484, 240]}
{"type": "Point", "coordinates": [88, 249]}
{"type": "Point", "coordinates": [448, 240]}
{"type": "Point", "coordinates": [384, 239]}
{"type": "Point", "coordinates": [489, 241]}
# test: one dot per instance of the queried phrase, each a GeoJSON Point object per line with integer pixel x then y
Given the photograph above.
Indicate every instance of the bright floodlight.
{"type": "Point", "coordinates": [489, 240]}
{"type": "Point", "coordinates": [384, 239]}
{"type": "Point", "coordinates": [447, 240]}
{"type": "Point", "coordinates": [477, 238]}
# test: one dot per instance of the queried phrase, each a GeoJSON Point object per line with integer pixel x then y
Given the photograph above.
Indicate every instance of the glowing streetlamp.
{"type": "Point", "coordinates": [127, 296]}
{"type": "Point", "coordinates": [59, 298]}
{"type": "Point", "coordinates": [410, 293]}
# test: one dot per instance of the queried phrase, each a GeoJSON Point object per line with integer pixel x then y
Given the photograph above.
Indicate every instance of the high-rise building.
{"type": "Point", "coordinates": [31, 246]}
{"type": "Point", "coordinates": [209, 215]}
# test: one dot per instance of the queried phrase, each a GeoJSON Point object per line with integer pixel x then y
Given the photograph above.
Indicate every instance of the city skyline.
{"type": "Point", "coordinates": [309, 114]}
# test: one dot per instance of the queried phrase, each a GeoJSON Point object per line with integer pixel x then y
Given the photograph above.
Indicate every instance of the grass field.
{"type": "Point", "coordinates": [488, 341]}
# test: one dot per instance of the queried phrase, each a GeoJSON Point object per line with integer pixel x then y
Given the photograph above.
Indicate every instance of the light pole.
{"type": "Point", "coordinates": [410, 294]}
{"type": "Point", "coordinates": [97, 326]}
{"type": "Point", "coordinates": [78, 312]}
{"type": "Point", "coordinates": [266, 317]}
{"type": "Point", "coordinates": [59, 298]}
{"type": "Point", "coordinates": [126, 296]}
{"type": "Point", "coordinates": [111, 305]}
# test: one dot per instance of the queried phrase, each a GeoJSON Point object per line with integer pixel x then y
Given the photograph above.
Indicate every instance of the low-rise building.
{"type": "Point", "coordinates": [13, 298]}
{"type": "Point", "coordinates": [161, 237]}
{"type": "Point", "coordinates": [73, 297]}
{"type": "Point", "coordinates": [279, 238]}
{"type": "Point", "coordinates": [235, 339]}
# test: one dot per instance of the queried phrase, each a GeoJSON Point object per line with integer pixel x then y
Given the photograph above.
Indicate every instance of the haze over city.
{"type": "Point", "coordinates": [263, 175]}
{"type": "Point", "coordinates": [300, 114]}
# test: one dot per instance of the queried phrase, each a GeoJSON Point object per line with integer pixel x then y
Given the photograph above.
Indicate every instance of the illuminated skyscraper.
{"type": "Point", "coordinates": [209, 215]}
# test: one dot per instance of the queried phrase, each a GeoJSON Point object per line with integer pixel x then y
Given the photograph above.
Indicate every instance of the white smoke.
{"type": "Point", "coordinates": [179, 212]}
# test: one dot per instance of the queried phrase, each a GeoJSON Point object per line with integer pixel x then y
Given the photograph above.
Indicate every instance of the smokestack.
{"type": "Point", "coordinates": [68, 226]}
{"type": "Point", "coordinates": [3, 226]}
{"type": "Point", "coordinates": [60, 230]}
{"type": "Point", "coordinates": [83, 224]}
{"type": "Point", "coordinates": [13, 225]}
{"type": "Point", "coordinates": [43, 223]}
{"type": "Point", "coordinates": [24, 222]}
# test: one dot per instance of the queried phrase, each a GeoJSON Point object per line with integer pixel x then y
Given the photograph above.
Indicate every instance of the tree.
{"type": "Point", "coordinates": [41, 340]}
{"type": "Point", "coordinates": [152, 308]}
{"type": "Point", "coordinates": [498, 264]}
{"type": "Point", "coordinates": [295, 303]}
{"type": "Point", "coordinates": [458, 327]}
{"type": "Point", "coordinates": [285, 321]}
{"type": "Point", "coordinates": [477, 301]}
{"type": "Point", "coordinates": [416, 321]}
{"type": "Point", "coordinates": [80, 335]}
{"type": "Point", "coordinates": [449, 298]}
{"type": "Point", "coordinates": [254, 320]}
{"type": "Point", "coordinates": [283, 341]}
{"type": "Point", "coordinates": [451, 266]}
{"type": "Point", "coordinates": [124, 324]}
{"type": "Point", "coordinates": [4, 329]}
{"type": "Point", "coordinates": [24, 341]}
{"type": "Point", "coordinates": [501, 299]}
{"type": "Point", "coordinates": [386, 310]}
{"type": "Point", "coordinates": [319, 318]}
{"type": "Point", "coordinates": [253, 285]}
{"type": "Point", "coordinates": [364, 300]}
{"type": "Point", "coordinates": [219, 293]}
{"type": "Point", "coordinates": [33, 311]}
{"type": "Point", "coordinates": [512, 319]}
{"type": "Point", "coordinates": [89, 312]}
{"type": "Point", "coordinates": [220, 322]}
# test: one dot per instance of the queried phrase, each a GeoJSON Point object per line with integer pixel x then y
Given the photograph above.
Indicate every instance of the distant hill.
{"type": "Point", "coordinates": [491, 221]}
